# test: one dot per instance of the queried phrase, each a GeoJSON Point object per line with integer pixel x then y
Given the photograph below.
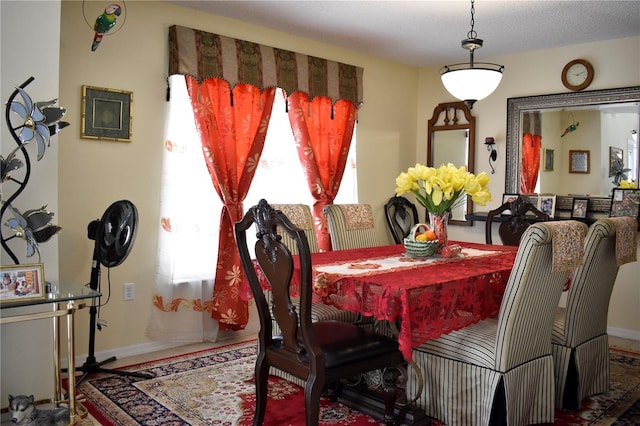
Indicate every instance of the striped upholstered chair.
{"type": "Point", "coordinates": [500, 370]}
{"type": "Point", "coordinates": [351, 226]}
{"type": "Point", "coordinates": [579, 340]}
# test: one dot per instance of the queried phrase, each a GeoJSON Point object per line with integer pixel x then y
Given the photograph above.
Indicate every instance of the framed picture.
{"type": "Point", "coordinates": [547, 204]}
{"type": "Point", "coordinates": [106, 114]}
{"type": "Point", "coordinates": [579, 161]}
{"type": "Point", "coordinates": [616, 160]}
{"type": "Point", "coordinates": [579, 209]}
{"type": "Point", "coordinates": [508, 198]}
{"type": "Point", "coordinates": [22, 282]}
{"type": "Point", "coordinates": [626, 202]}
{"type": "Point", "coordinates": [548, 160]}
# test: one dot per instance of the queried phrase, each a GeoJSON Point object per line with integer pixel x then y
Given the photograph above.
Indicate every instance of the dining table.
{"type": "Point", "coordinates": [425, 297]}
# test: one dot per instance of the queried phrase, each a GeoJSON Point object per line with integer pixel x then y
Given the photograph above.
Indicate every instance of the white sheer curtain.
{"type": "Point", "coordinates": [188, 236]}
{"type": "Point", "coordinates": [190, 214]}
{"type": "Point", "coordinates": [280, 177]}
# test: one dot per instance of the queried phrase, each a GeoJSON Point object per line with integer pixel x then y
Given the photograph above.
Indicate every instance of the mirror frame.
{"type": "Point", "coordinates": [515, 106]}
{"type": "Point", "coordinates": [451, 123]}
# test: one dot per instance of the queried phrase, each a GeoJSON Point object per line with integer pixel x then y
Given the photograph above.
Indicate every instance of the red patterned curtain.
{"type": "Point", "coordinates": [531, 146]}
{"type": "Point", "coordinates": [232, 125]}
{"type": "Point", "coordinates": [323, 133]}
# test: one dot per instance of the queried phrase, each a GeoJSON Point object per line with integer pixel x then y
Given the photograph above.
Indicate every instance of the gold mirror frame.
{"type": "Point", "coordinates": [451, 116]}
{"type": "Point", "coordinates": [515, 108]}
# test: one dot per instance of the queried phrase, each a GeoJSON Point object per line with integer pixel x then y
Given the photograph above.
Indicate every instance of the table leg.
{"type": "Point", "coordinates": [73, 413]}
{"type": "Point", "coordinates": [56, 359]}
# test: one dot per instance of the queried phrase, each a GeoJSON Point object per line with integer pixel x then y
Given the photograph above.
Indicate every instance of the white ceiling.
{"type": "Point", "coordinates": [428, 32]}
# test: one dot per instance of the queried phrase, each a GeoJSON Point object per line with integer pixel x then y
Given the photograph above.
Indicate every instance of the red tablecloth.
{"type": "Point", "coordinates": [430, 297]}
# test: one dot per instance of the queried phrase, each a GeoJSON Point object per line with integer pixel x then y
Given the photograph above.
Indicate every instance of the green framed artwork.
{"type": "Point", "coordinates": [106, 114]}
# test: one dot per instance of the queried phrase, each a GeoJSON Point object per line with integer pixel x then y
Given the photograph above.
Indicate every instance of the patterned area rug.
{"type": "Point", "coordinates": [215, 387]}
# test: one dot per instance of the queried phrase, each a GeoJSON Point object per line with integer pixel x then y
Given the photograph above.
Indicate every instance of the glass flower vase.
{"type": "Point", "coordinates": [439, 223]}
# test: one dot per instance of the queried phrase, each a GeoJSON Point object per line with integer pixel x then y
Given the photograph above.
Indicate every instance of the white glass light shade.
{"type": "Point", "coordinates": [471, 84]}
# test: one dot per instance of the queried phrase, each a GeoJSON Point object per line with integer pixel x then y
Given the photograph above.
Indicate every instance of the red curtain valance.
{"type": "Point", "coordinates": [204, 55]}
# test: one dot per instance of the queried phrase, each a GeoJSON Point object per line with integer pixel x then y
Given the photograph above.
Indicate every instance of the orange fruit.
{"type": "Point", "coordinates": [430, 235]}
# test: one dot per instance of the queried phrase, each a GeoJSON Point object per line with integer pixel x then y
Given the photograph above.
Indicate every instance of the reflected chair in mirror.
{"type": "Point", "coordinates": [579, 340]}
{"type": "Point", "coordinates": [320, 353]}
{"type": "Point", "coordinates": [517, 221]}
{"type": "Point", "coordinates": [500, 370]}
{"type": "Point", "coordinates": [401, 215]}
{"type": "Point", "coordinates": [351, 226]}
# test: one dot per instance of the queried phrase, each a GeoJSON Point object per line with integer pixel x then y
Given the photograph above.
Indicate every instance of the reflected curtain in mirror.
{"type": "Point", "coordinates": [531, 146]}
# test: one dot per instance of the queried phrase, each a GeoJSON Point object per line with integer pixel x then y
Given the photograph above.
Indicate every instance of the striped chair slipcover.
{"type": "Point", "coordinates": [300, 215]}
{"type": "Point", "coordinates": [351, 226]}
{"type": "Point", "coordinates": [579, 339]}
{"type": "Point", "coordinates": [500, 370]}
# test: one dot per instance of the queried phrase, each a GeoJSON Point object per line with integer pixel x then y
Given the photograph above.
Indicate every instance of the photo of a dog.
{"type": "Point", "coordinates": [24, 413]}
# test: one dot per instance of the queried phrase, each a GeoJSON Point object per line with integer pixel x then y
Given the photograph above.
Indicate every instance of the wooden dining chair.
{"type": "Point", "coordinates": [300, 215]}
{"type": "Point", "coordinates": [351, 226]}
{"type": "Point", "coordinates": [518, 220]}
{"type": "Point", "coordinates": [401, 215]}
{"type": "Point", "coordinates": [500, 370]}
{"type": "Point", "coordinates": [321, 353]}
{"type": "Point", "coordinates": [579, 340]}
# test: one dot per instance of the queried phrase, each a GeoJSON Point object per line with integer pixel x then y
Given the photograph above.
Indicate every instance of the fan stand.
{"type": "Point", "coordinates": [91, 365]}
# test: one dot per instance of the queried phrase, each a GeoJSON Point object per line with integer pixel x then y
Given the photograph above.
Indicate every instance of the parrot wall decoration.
{"type": "Point", "coordinates": [104, 23]}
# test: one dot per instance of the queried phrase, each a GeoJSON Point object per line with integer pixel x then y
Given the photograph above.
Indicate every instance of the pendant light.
{"type": "Point", "coordinates": [471, 81]}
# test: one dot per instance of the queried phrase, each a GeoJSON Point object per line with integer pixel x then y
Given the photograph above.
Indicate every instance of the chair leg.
{"type": "Point", "coordinates": [390, 394]}
{"type": "Point", "coordinates": [262, 381]}
{"type": "Point", "coordinates": [312, 392]}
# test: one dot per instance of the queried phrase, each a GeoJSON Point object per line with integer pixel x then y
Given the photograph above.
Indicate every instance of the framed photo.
{"type": "Point", "coordinates": [548, 160]}
{"type": "Point", "coordinates": [508, 198]}
{"type": "Point", "coordinates": [579, 161]}
{"type": "Point", "coordinates": [106, 114]}
{"type": "Point", "coordinates": [616, 159]}
{"type": "Point", "coordinates": [547, 204]}
{"type": "Point", "coordinates": [579, 209]}
{"type": "Point", "coordinates": [22, 282]}
{"type": "Point", "coordinates": [626, 202]}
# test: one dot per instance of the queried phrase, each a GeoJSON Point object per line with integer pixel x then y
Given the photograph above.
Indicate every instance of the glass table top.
{"type": "Point", "coordinates": [63, 291]}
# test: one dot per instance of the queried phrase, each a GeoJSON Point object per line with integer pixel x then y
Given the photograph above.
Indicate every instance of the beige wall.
{"type": "Point", "coordinates": [392, 130]}
{"type": "Point", "coordinates": [95, 173]}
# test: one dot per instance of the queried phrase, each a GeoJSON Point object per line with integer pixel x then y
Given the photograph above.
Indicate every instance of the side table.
{"type": "Point", "coordinates": [69, 297]}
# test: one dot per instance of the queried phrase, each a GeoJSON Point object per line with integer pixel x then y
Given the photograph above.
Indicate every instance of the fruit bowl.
{"type": "Point", "coordinates": [420, 248]}
{"type": "Point", "coordinates": [416, 248]}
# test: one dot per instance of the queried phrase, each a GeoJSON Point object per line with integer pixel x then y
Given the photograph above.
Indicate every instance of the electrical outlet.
{"type": "Point", "coordinates": [129, 291]}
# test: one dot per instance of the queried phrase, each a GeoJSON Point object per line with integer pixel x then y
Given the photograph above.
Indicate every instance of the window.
{"type": "Point", "coordinates": [189, 255]}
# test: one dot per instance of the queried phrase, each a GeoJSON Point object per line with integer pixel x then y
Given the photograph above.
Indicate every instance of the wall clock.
{"type": "Point", "coordinates": [577, 74]}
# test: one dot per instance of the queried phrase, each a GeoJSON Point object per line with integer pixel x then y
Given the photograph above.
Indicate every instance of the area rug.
{"type": "Point", "coordinates": [216, 387]}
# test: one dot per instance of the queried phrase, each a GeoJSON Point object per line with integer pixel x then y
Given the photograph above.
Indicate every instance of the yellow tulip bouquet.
{"type": "Point", "coordinates": [443, 188]}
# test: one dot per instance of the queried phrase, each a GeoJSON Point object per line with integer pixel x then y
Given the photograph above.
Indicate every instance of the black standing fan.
{"type": "Point", "coordinates": [114, 235]}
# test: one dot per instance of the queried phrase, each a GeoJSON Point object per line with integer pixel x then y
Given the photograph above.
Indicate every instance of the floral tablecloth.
{"type": "Point", "coordinates": [430, 296]}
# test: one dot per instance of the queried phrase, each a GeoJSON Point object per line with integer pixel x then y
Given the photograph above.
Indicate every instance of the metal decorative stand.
{"type": "Point", "coordinates": [26, 121]}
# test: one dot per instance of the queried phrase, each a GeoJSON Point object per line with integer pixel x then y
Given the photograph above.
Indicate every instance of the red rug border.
{"type": "Point", "coordinates": [625, 350]}
{"type": "Point", "coordinates": [188, 353]}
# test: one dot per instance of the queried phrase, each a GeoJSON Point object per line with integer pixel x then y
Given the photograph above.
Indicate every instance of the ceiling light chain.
{"type": "Point", "coordinates": [471, 81]}
{"type": "Point", "coordinates": [472, 33]}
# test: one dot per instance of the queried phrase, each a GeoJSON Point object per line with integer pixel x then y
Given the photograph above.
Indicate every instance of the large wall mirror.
{"type": "Point", "coordinates": [451, 139]}
{"type": "Point", "coordinates": [600, 126]}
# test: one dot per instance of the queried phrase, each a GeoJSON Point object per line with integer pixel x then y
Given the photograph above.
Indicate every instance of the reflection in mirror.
{"type": "Point", "coordinates": [603, 122]}
{"type": "Point", "coordinates": [451, 139]}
